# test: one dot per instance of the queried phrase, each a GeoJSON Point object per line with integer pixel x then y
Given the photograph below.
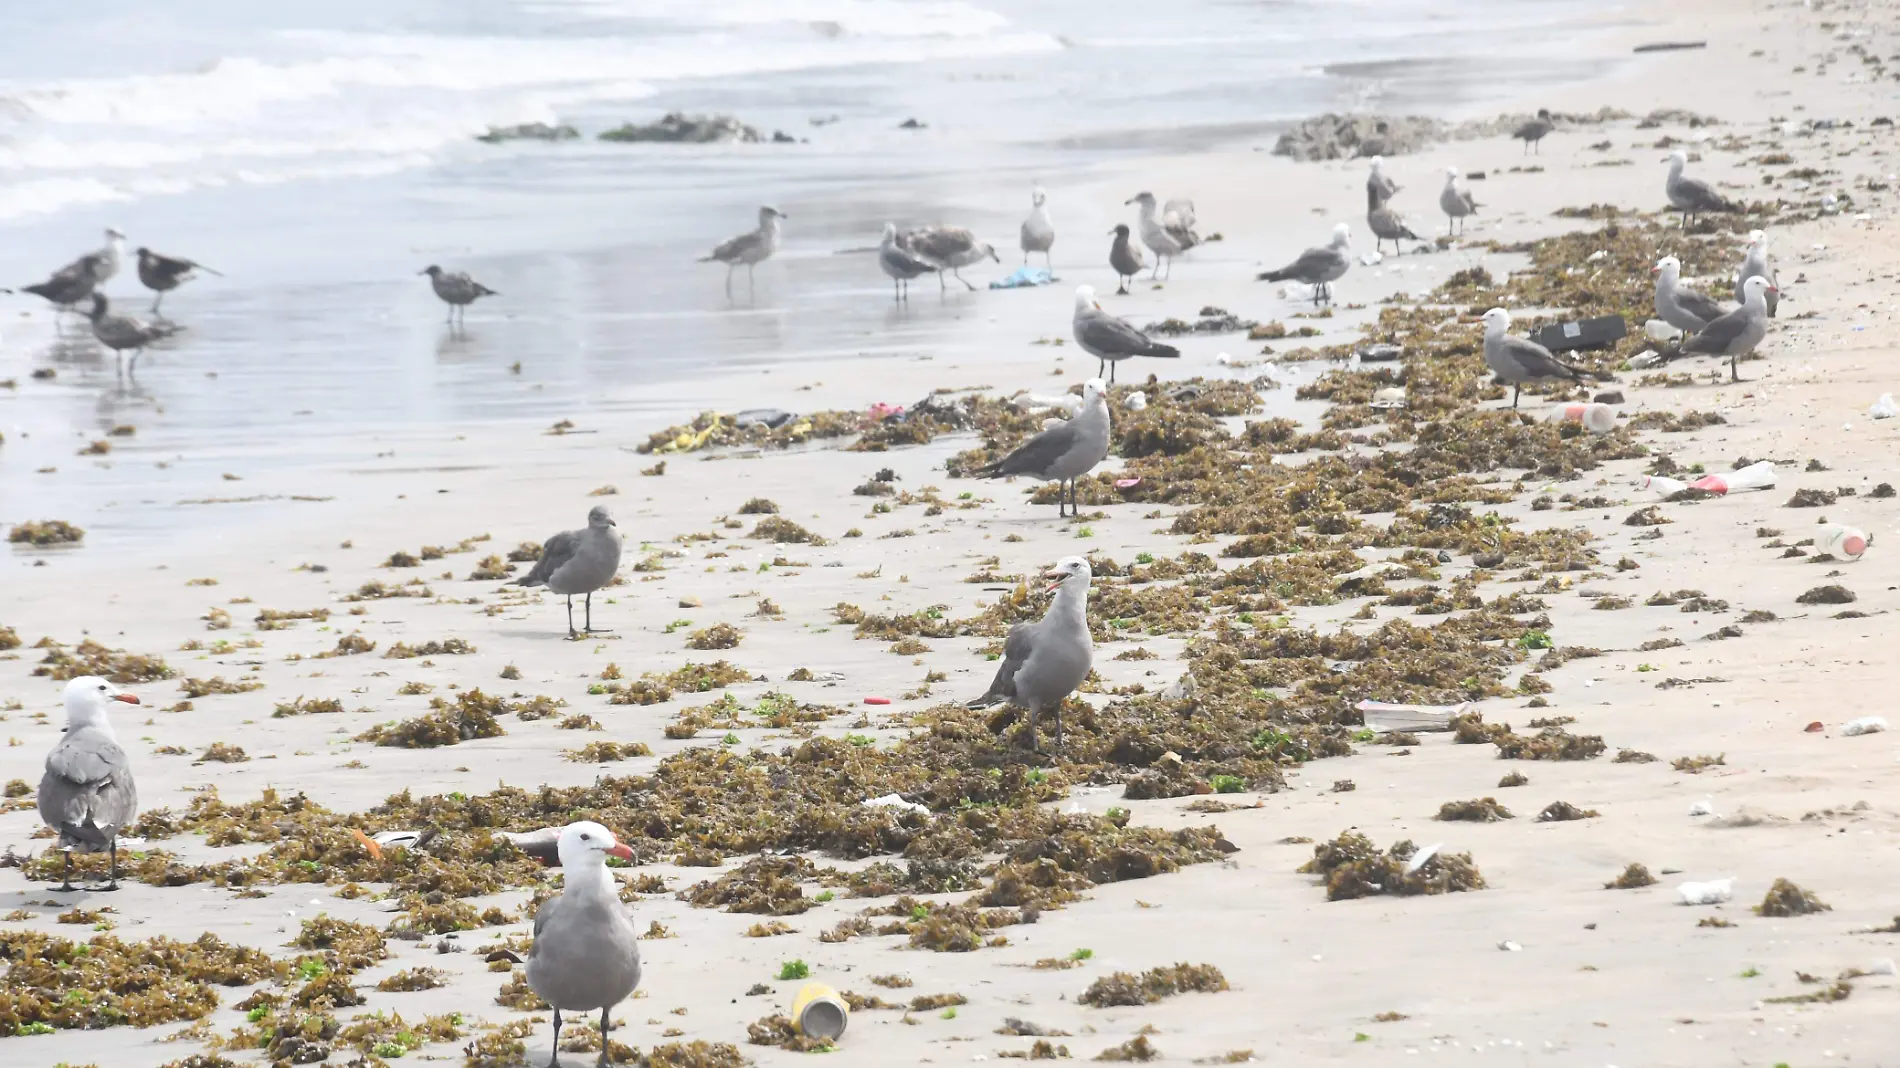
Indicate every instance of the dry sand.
{"type": "Point", "coordinates": [1544, 966]}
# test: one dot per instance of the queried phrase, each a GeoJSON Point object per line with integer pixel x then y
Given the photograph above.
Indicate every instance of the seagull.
{"type": "Point", "coordinates": [1169, 235]}
{"type": "Point", "coordinates": [1385, 224]}
{"type": "Point", "coordinates": [122, 333]}
{"type": "Point", "coordinates": [1736, 334]}
{"type": "Point", "coordinates": [1678, 305]}
{"type": "Point", "coordinates": [162, 274]}
{"type": "Point", "coordinates": [1692, 196]}
{"type": "Point", "coordinates": [1755, 262]}
{"type": "Point", "coordinates": [1455, 203]}
{"type": "Point", "coordinates": [586, 953]}
{"type": "Point", "coordinates": [899, 263]}
{"type": "Point", "coordinates": [751, 248]}
{"type": "Point", "coordinates": [1064, 452]}
{"type": "Point", "coordinates": [1044, 661]}
{"type": "Point", "coordinates": [1039, 231]}
{"type": "Point", "coordinates": [1516, 361]}
{"type": "Point", "coordinates": [1125, 257]}
{"type": "Point", "coordinates": [579, 561]}
{"type": "Point", "coordinates": [1532, 132]}
{"type": "Point", "coordinates": [73, 283]}
{"type": "Point", "coordinates": [1379, 188]}
{"type": "Point", "coordinates": [457, 290]}
{"type": "Point", "coordinates": [1107, 338]}
{"type": "Point", "coordinates": [1318, 267]}
{"type": "Point", "coordinates": [87, 793]}
{"type": "Point", "coordinates": [948, 248]}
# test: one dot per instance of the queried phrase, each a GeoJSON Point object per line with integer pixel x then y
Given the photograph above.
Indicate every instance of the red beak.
{"type": "Point", "coordinates": [1774, 289]}
{"type": "Point", "coordinates": [127, 698]}
{"type": "Point", "coordinates": [621, 851]}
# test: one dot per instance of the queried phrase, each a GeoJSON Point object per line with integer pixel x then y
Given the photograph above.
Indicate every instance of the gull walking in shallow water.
{"type": "Point", "coordinates": [1107, 338]}
{"type": "Point", "coordinates": [1318, 267]}
{"type": "Point", "coordinates": [123, 333]}
{"type": "Point", "coordinates": [1039, 231]}
{"type": "Point", "coordinates": [1755, 262]}
{"type": "Point", "coordinates": [1125, 256]}
{"type": "Point", "coordinates": [1736, 334]}
{"type": "Point", "coordinates": [586, 953]}
{"type": "Point", "coordinates": [87, 794]}
{"type": "Point", "coordinates": [1064, 452]}
{"type": "Point", "coordinates": [948, 248]}
{"type": "Point", "coordinates": [579, 561]}
{"type": "Point", "coordinates": [457, 290]}
{"type": "Point", "coordinates": [1516, 361]}
{"type": "Point", "coordinates": [1043, 662]}
{"type": "Point", "coordinates": [1168, 234]}
{"type": "Point", "coordinates": [162, 274]}
{"type": "Point", "coordinates": [1455, 203]}
{"type": "Point", "coordinates": [899, 263]}
{"type": "Point", "coordinates": [1677, 304]}
{"type": "Point", "coordinates": [1691, 196]}
{"type": "Point", "coordinates": [1532, 132]}
{"type": "Point", "coordinates": [751, 248]}
{"type": "Point", "coordinates": [72, 284]}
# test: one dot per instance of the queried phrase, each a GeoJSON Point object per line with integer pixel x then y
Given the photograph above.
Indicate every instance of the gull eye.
{"type": "Point", "coordinates": [102, 687]}
{"type": "Point", "coordinates": [587, 837]}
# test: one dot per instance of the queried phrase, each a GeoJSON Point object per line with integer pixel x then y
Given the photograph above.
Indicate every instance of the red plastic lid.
{"type": "Point", "coordinates": [877, 700]}
{"type": "Point", "coordinates": [1854, 545]}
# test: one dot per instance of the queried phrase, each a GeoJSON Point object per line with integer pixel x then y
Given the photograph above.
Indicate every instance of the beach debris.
{"type": "Point", "coordinates": [46, 532]}
{"type": "Point", "coordinates": [819, 1012]}
{"type": "Point", "coordinates": [1123, 988]}
{"type": "Point", "coordinates": [1756, 476]}
{"type": "Point", "coordinates": [1634, 877]}
{"type": "Point", "coordinates": [1829, 594]}
{"type": "Point", "coordinates": [1884, 408]}
{"type": "Point", "coordinates": [1564, 811]}
{"type": "Point", "coordinates": [1423, 857]}
{"type": "Point", "coordinates": [1863, 725]}
{"type": "Point", "coordinates": [896, 801]}
{"type": "Point", "coordinates": [1509, 946]}
{"type": "Point", "coordinates": [1483, 810]}
{"type": "Point", "coordinates": [1704, 807]}
{"type": "Point", "coordinates": [1786, 899]}
{"type": "Point", "coordinates": [1383, 717]}
{"type": "Point", "coordinates": [1353, 868]}
{"type": "Point", "coordinates": [877, 700]}
{"type": "Point", "coordinates": [1841, 541]}
{"type": "Point", "coordinates": [529, 131]}
{"type": "Point", "coordinates": [1596, 418]}
{"type": "Point", "coordinates": [1710, 893]}
{"type": "Point", "coordinates": [1024, 278]}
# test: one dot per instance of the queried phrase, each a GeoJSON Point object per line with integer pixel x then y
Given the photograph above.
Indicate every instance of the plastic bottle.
{"type": "Point", "coordinates": [1598, 419]}
{"type": "Point", "coordinates": [1661, 485]}
{"type": "Point", "coordinates": [1844, 542]}
{"type": "Point", "coordinates": [1657, 330]}
{"type": "Point", "coordinates": [1756, 476]}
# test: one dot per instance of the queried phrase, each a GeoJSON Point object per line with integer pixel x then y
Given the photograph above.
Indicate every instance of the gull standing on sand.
{"type": "Point", "coordinates": [1039, 231]}
{"type": "Point", "coordinates": [579, 561]}
{"type": "Point", "coordinates": [1736, 334]}
{"type": "Point", "coordinates": [1385, 224]}
{"type": "Point", "coordinates": [1516, 361]}
{"type": "Point", "coordinates": [586, 953]}
{"type": "Point", "coordinates": [948, 248]}
{"type": "Point", "coordinates": [1532, 132]}
{"type": "Point", "coordinates": [1692, 196]}
{"type": "Point", "coordinates": [1677, 304]}
{"type": "Point", "coordinates": [1755, 262]}
{"type": "Point", "coordinates": [751, 248]}
{"type": "Point", "coordinates": [1064, 452]}
{"type": "Point", "coordinates": [1379, 188]}
{"type": "Point", "coordinates": [162, 274]}
{"type": "Point", "coordinates": [1125, 256]}
{"type": "Point", "coordinates": [1456, 203]}
{"type": "Point", "coordinates": [87, 794]}
{"type": "Point", "coordinates": [1108, 339]}
{"type": "Point", "coordinates": [73, 283]}
{"type": "Point", "coordinates": [457, 290]}
{"type": "Point", "coordinates": [1169, 234]}
{"type": "Point", "coordinates": [1044, 661]}
{"type": "Point", "coordinates": [1318, 267]}
{"type": "Point", "coordinates": [123, 333]}
{"type": "Point", "coordinates": [900, 263]}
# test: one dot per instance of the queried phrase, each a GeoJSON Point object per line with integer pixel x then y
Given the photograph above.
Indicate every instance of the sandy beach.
{"type": "Point", "coordinates": [1507, 562]}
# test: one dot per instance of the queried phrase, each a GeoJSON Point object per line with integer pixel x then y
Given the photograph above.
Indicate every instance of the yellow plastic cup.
{"type": "Point", "coordinates": [818, 1012]}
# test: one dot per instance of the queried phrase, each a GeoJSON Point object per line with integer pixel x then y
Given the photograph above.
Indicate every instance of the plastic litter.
{"type": "Point", "coordinates": [1661, 485]}
{"type": "Point", "coordinates": [1223, 359]}
{"type": "Point", "coordinates": [770, 418]}
{"type": "Point", "coordinates": [819, 1012]}
{"type": "Point", "coordinates": [1646, 359]}
{"type": "Point", "coordinates": [1127, 483]}
{"type": "Point", "coordinates": [1391, 397]}
{"type": "Point", "coordinates": [1024, 278]}
{"type": "Point", "coordinates": [1837, 539]}
{"type": "Point", "coordinates": [1884, 408]}
{"type": "Point", "coordinates": [1296, 291]}
{"type": "Point", "coordinates": [1381, 353]}
{"type": "Point", "coordinates": [1380, 716]}
{"type": "Point", "coordinates": [1598, 419]}
{"type": "Point", "coordinates": [1704, 807]}
{"type": "Point", "coordinates": [1864, 725]}
{"type": "Point", "coordinates": [1756, 476]}
{"type": "Point", "coordinates": [895, 801]}
{"type": "Point", "coordinates": [882, 410]}
{"type": "Point", "coordinates": [1422, 857]}
{"type": "Point", "coordinates": [1709, 893]}
{"type": "Point", "coordinates": [877, 700]}
{"type": "Point", "coordinates": [1135, 401]}
{"type": "Point", "coordinates": [1657, 330]}
{"type": "Point", "coordinates": [1883, 966]}
{"type": "Point", "coordinates": [1509, 946]}
{"type": "Point", "coordinates": [1372, 259]}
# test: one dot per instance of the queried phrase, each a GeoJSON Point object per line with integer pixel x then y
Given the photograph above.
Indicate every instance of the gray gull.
{"type": "Point", "coordinates": [162, 274]}
{"type": "Point", "coordinates": [87, 794]}
{"type": "Point", "coordinates": [1677, 304]}
{"type": "Point", "coordinates": [1532, 132]}
{"type": "Point", "coordinates": [1170, 233]}
{"type": "Point", "coordinates": [1125, 256]}
{"type": "Point", "coordinates": [1692, 196]}
{"type": "Point", "coordinates": [123, 333]}
{"type": "Point", "coordinates": [948, 248]}
{"type": "Point", "coordinates": [1456, 203]}
{"type": "Point", "coordinates": [579, 561]}
{"type": "Point", "coordinates": [1755, 262]}
{"type": "Point", "coordinates": [1107, 338]}
{"type": "Point", "coordinates": [1064, 452]}
{"type": "Point", "coordinates": [1385, 224]}
{"type": "Point", "coordinates": [457, 290]}
{"type": "Point", "coordinates": [899, 263]}
{"type": "Point", "coordinates": [1318, 267]}
{"type": "Point", "coordinates": [1736, 334]}
{"type": "Point", "coordinates": [73, 283]}
{"type": "Point", "coordinates": [1516, 361]}
{"type": "Point", "coordinates": [586, 953]}
{"type": "Point", "coordinates": [1379, 188]}
{"type": "Point", "coordinates": [1044, 661]}
{"type": "Point", "coordinates": [1039, 231]}
{"type": "Point", "coordinates": [751, 248]}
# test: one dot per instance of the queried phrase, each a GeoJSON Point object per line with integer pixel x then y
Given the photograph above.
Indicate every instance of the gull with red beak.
{"type": "Point", "coordinates": [87, 794]}
{"type": "Point", "coordinates": [1044, 661]}
{"type": "Point", "coordinates": [1065, 451]}
{"type": "Point", "coordinates": [1736, 334]}
{"type": "Point", "coordinates": [1677, 304]}
{"type": "Point", "coordinates": [586, 954]}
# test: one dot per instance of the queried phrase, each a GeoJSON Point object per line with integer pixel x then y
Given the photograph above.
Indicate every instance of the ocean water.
{"type": "Point", "coordinates": [321, 152]}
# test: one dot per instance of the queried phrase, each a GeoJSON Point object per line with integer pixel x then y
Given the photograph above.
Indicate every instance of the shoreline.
{"type": "Point", "coordinates": [1598, 976]}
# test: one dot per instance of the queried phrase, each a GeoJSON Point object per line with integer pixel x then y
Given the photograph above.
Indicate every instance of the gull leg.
{"type": "Point", "coordinates": [965, 281]}
{"type": "Point", "coordinates": [156, 301]}
{"type": "Point", "coordinates": [1515, 390]}
{"type": "Point", "coordinates": [66, 879]}
{"type": "Point", "coordinates": [1057, 712]}
{"type": "Point", "coordinates": [589, 626]}
{"type": "Point", "coordinates": [571, 634]}
{"type": "Point", "coordinates": [941, 287]}
{"type": "Point", "coordinates": [748, 278]}
{"type": "Point", "coordinates": [554, 1061]}
{"type": "Point", "coordinates": [112, 872]}
{"type": "Point", "coordinates": [604, 1025]}
{"type": "Point", "coordinates": [1032, 727]}
{"type": "Point", "coordinates": [1732, 375]}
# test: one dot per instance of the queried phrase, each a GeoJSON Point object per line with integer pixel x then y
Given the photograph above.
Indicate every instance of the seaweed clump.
{"type": "Point", "coordinates": [1563, 811]}
{"type": "Point", "coordinates": [57, 983]}
{"type": "Point", "coordinates": [1786, 899]}
{"type": "Point", "coordinates": [777, 1030]}
{"type": "Point", "coordinates": [91, 658]}
{"type": "Point", "coordinates": [472, 716]}
{"type": "Point", "coordinates": [46, 532]}
{"type": "Point", "coordinates": [1353, 867]}
{"type": "Point", "coordinates": [765, 885]}
{"type": "Point", "coordinates": [1634, 877]}
{"type": "Point", "coordinates": [1481, 810]}
{"type": "Point", "coordinates": [1831, 594]}
{"type": "Point", "coordinates": [1137, 1048]}
{"type": "Point", "coordinates": [717, 636]}
{"type": "Point", "coordinates": [1152, 985]}
{"type": "Point", "coordinates": [780, 530]}
{"type": "Point", "coordinates": [1551, 743]}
